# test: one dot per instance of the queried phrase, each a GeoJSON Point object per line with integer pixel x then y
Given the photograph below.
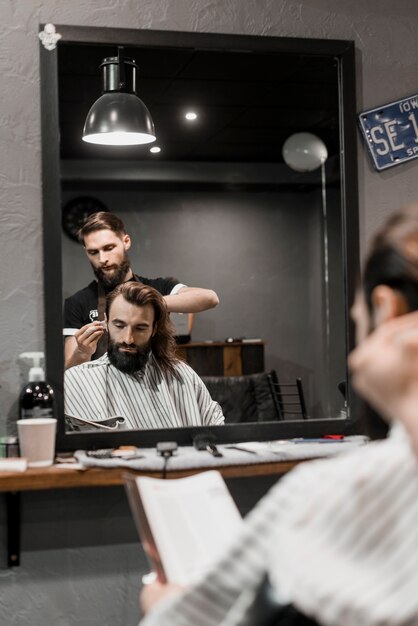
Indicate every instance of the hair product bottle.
{"type": "Point", "coordinates": [37, 396]}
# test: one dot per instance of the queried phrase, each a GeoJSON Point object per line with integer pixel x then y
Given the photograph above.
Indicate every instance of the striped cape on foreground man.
{"type": "Point", "coordinates": [337, 539]}
{"type": "Point", "coordinates": [139, 378]}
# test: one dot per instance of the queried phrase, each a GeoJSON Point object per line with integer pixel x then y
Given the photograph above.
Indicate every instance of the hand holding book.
{"type": "Point", "coordinates": [152, 594]}
{"type": "Point", "coordinates": [185, 524]}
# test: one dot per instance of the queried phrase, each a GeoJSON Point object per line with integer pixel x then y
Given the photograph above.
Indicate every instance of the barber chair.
{"type": "Point", "coordinates": [247, 398]}
{"type": "Point", "coordinates": [290, 398]}
{"type": "Point", "coordinates": [256, 397]}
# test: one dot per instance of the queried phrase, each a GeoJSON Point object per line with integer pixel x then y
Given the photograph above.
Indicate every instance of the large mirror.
{"type": "Point", "coordinates": [217, 207]}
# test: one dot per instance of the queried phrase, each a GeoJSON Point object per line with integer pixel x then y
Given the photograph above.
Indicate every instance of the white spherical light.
{"type": "Point", "coordinates": [304, 152]}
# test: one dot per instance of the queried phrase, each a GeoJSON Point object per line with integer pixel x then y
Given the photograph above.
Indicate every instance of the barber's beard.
{"type": "Point", "coordinates": [111, 279]}
{"type": "Point", "coordinates": [128, 362]}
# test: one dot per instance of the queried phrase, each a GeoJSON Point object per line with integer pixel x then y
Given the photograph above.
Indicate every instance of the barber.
{"type": "Point", "coordinates": [106, 244]}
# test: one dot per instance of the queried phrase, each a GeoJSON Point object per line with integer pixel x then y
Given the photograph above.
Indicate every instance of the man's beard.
{"type": "Point", "coordinates": [112, 279]}
{"type": "Point", "coordinates": [128, 362]}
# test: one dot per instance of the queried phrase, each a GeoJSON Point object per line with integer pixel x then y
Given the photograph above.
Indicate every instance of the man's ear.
{"type": "Point", "coordinates": [126, 241]}
{"type": "Point", "coordinates": [387, 304]}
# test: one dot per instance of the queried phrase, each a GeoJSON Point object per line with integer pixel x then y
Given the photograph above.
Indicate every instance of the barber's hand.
{"type": "Point", "coordinates": [88, 336]}
{"type": "Point", "coordinates": [153, 593]}
{"type": "Point", "coordinates": [385, 370]}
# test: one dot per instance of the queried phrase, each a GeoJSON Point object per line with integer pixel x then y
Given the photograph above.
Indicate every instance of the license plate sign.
{"type": "Point", "coordinates": [391, 132]}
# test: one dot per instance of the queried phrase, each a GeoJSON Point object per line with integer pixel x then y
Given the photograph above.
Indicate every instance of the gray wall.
{"type": "Point", "coordinates": [259, 251]}
{"type": "Point", "coordinates": [233, 243]}
{"type": "Point", "coordinates": [386, 37]}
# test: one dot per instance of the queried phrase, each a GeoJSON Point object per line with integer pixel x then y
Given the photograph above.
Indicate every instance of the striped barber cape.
{"type": "Point", "coordinates": [149, 399]}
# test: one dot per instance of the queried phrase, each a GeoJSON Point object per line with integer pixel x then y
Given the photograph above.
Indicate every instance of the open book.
{"type": "Point", "coordinates": [185, 524]}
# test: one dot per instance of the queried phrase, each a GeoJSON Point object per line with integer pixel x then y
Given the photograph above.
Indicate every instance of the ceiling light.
{"type": "Point", "coordinates": [155, 149]}
{"type": "Point", "coordinates": [119, 117]}
{"type": "Point", "coordinates": [191, 116]}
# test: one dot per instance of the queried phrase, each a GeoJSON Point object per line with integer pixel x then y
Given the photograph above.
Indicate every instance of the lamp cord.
{"type": "Point", "coordinates": [326, 271]}
{"type": "Point", "coordinates": [121, 63]}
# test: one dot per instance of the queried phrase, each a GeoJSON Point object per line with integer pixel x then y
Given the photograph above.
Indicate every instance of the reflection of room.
{"type": "Point", "coordinates": [217, 207]}
{"type": "Point", "coordinates": [259, 251]}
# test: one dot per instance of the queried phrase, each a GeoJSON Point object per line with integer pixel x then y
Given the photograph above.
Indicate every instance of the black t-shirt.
{"type": "Point", "coordinates": [81, 308]}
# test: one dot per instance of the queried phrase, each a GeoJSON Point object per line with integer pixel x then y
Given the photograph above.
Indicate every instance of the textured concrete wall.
{"type": "Point", "coordinates": [385, 33]}
{"type": "Point", "coordinates": [387, 66]}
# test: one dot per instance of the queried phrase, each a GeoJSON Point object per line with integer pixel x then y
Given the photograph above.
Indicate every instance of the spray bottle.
{"type": "Point", "coordinates": [37, 397]}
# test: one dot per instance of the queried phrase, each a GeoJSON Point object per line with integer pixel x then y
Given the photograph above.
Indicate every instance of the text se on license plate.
{"type": "Point", "coordinates": [391, 132]}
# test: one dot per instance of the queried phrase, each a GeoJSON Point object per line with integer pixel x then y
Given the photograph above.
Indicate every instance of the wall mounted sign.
{"type": "Point", "coordinates": [391, 132]}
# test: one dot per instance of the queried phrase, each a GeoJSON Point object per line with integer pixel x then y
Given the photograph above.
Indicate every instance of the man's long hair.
{"type": "Point", "coordinates": [163, 341]}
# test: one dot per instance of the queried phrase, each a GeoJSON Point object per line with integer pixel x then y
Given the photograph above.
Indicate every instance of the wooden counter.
{"type": "Point", "coordinates": [56, 477]}
{"type": "Point", "coordinates": [59, 478]}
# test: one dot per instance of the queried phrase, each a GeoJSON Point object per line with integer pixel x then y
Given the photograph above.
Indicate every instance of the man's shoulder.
{"type": "Point", "coordinates": [185, 372]}
{"type": "Point", "coordinates": [84, 294]}
{"type": "Point", "coordinates": [86, 368]}
{"type": "Point", "coordinates": [162, 284]}
{"type": "Point", "coordinates": [358, 463]}
{"type": "Point", "coordinates": [179, 369]}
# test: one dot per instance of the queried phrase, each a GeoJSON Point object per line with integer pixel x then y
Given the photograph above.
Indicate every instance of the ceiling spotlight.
{"type": "Point", "coordinates": [155, 149]}
{"type": "Point", "coordinates": [191, 116]}
{"type": "Point", "coordinates": [119, 117]}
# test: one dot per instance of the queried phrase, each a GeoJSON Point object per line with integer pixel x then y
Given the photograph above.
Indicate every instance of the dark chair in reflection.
{"type": "Point", "coordinates": [255, 397]}
{"type": "Point", "coordinates": [342, 388]}
{"type": "Point", "coordinates": [291, 399]}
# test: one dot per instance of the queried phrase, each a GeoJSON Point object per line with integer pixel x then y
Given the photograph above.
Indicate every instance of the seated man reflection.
{"type": "Point", "coordinates": [139, 378]}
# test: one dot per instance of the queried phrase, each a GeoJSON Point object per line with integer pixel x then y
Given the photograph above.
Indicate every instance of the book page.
{"type": "Point", "coordinates": [192, 519]}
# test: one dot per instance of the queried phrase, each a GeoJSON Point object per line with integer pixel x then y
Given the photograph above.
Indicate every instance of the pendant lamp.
{"type": "Point", "coordinates": [119, 117]}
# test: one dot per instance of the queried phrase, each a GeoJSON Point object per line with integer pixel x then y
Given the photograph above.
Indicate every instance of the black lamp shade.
{"type": "Point", "coordinates": [119, 117]}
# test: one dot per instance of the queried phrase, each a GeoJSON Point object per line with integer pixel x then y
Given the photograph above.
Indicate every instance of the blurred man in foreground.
{"type": "Point", "coordinates": [336, 541]}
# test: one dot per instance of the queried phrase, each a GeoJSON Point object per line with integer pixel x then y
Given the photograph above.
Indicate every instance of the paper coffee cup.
{"type": "Point", "coordinates": [37, 440]}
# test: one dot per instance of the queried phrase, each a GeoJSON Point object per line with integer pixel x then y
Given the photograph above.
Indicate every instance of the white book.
{"type": "Point", "coordinates": [185, 524]}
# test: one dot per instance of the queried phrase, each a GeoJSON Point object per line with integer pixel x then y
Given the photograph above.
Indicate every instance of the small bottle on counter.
{"type": "Point", "coordinates": [37, 396]}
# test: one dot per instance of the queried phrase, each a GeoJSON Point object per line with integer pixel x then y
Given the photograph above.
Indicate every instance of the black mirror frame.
{"type": "Point", "coordinates": [340, 49]}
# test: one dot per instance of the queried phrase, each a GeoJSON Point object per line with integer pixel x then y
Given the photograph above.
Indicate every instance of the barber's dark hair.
{"type": "Point", "coordinates": [163, 342]}
{"type": "Point", "coordinates": [393, 258]}
{"type": "Point", "coordinates": [102, 220]}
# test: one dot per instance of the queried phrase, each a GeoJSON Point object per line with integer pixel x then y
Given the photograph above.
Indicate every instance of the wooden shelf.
{"type": "Point", "coordinates": [223, 358]}
{"type": "Point", "coordinates": [59, 478]}
{"type": "Point", "coordinates": [222, 344]}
